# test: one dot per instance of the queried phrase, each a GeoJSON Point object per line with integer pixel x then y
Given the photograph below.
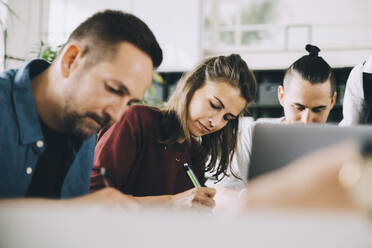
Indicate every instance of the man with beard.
{"type": "Point", "coordinates": [50, 112]}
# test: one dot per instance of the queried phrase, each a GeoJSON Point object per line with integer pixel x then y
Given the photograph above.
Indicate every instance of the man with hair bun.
{"type": "Point", "coordinates": [309, 90]}
{"type": "Point", "coordinates": [307, 96]}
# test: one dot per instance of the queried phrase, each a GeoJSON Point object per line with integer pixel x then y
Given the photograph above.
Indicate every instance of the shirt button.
{"type": "Point", "coordinates": [39, 144]}
{"type": "Point", "coordinates": [28, 170]}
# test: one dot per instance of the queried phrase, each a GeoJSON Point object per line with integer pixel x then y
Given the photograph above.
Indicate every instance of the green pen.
{"type": "Point", "coordinates": [191, 174]}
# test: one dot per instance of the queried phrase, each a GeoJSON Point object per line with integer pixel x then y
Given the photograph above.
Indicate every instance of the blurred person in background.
{"type": "Point", "coordinates": [357, 102]}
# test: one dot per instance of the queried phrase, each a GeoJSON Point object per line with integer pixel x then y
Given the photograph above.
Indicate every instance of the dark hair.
{"type": "Point", "coordinates": [312, 68]}
{"type": "Point", "coordinates": [219, 145]}
{"type": "Point", "coordinates": [104, 30]}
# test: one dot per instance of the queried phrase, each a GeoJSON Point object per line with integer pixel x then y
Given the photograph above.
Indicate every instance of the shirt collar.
{"type": "Point", "coordinates": [367, 67]}
{"type": "Point", "coordinates": [23, 100]}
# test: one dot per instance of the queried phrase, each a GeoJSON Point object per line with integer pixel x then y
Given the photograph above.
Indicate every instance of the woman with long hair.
{"type": "Point", "coordinates": [144, 153]}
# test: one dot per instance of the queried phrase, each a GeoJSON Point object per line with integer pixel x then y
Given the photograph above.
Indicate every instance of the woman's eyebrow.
{"type": "Point", "coordinates": [223, 106]}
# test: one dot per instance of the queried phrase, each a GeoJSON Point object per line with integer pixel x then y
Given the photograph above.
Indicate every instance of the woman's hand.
{"type": "Point", "coordinates": [200, 197]}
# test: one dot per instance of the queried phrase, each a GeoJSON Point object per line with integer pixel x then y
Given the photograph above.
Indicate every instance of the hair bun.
{"type": "Point", "coordinates": [313, 50]}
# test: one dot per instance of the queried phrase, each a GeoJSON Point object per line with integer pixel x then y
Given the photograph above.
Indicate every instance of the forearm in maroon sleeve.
{"type": "Point", "coordinates": [116, 151]}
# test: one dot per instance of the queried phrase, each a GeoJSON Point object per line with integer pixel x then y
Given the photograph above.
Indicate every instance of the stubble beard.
{"type": "Point", "coordinates": [78, 125]}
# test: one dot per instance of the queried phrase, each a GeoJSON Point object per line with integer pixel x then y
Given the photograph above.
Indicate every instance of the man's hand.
{"type": "Point", "coordinates": [108, 198]}
{"type": "Point", "coordinates": [104, 198]}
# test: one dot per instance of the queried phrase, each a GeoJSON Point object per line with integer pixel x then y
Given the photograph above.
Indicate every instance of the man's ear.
{"type": "Point", "coordinates": [70, 58]}
{"type": "Point", "coordinates": [281, 95]}
{"type": "Point", "coordinates": [333, 100]}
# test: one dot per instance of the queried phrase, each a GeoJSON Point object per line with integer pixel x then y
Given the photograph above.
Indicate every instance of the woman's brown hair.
{"type": "Point", "coordinates": [219, 145]}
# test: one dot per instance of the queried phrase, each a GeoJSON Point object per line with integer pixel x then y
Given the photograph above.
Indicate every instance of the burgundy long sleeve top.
{"type": "Point", "coordinates": [137, 162]}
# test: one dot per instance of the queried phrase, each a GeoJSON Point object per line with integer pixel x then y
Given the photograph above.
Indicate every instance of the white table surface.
{"type": "Point", "coordinates": [25, 226]}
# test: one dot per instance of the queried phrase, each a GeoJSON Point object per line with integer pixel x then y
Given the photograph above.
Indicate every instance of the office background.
{"type": "Point", "coordinates": [268, 34]}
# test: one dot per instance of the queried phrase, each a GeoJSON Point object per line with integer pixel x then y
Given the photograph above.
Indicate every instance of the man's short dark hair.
{"type": "Point", "coordinates": [104, 30]}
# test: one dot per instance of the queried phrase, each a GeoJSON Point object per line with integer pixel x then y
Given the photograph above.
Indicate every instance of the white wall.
{"type": "Point", "coordinates": [24, 30]}
{"type": "Point", "coordinates": [66, 15]}
{"type": "Point", "coordinates": [341, 28]}
{"type": "Point", "coordinates": [176, 25]}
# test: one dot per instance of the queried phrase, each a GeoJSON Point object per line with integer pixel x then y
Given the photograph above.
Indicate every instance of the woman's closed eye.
{"type": "Point", "coordinates": [214, 106]}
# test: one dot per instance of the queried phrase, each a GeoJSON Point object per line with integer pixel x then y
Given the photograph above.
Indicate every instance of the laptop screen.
{"type": "Point", "coordinates": [276, 145]}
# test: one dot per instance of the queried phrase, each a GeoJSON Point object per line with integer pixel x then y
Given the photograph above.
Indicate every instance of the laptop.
{"type": "Point", "coordinates": [276, 145]}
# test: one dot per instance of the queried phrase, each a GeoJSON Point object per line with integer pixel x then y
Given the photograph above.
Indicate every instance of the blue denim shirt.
{"type": "Point", "coordinates": [22, 141]}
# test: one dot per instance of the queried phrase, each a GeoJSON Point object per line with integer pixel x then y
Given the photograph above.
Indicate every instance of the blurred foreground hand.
{"type": "Point", "coordinates": [311, 182]}
{"type": "Point", "coordinates": [227, 201]}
